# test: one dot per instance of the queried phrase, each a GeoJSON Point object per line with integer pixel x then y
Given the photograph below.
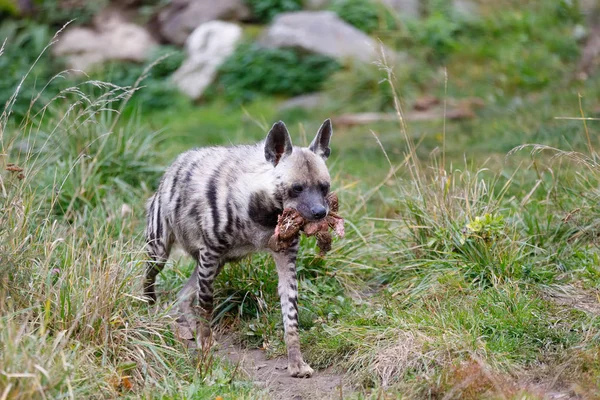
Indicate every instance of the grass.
{"type": "Point", "coordinates": [468, 270]}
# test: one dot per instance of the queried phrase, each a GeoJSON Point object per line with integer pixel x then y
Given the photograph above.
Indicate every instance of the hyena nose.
{"type": "Point", "coordinates": [318, 211]}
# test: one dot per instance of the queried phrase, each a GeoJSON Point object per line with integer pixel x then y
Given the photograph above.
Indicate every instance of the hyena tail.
{"type": "Point", "coordinates": [159, 240]}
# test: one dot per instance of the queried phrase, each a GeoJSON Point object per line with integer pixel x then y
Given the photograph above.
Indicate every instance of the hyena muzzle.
{"type": "Point", "coordinates": [222, 203]}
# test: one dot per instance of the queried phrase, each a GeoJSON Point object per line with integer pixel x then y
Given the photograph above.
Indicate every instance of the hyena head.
{"type": "Point", "coordinates": [302, 178]}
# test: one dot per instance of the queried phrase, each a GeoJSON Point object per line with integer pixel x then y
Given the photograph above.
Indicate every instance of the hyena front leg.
{"type": "Point", "coordinates": [285, 262]}
{"type": "Point", "coordinates": [205, 273]}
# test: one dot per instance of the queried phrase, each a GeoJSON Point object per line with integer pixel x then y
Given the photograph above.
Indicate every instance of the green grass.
{"type": "Point", "coordinates": [468, 270]}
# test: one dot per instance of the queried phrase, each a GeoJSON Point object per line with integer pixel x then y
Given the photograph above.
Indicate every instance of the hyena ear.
{"type": "Point", "coordinates": [320, 145]}
{"type": "Point", "coordinates": [278, 143]}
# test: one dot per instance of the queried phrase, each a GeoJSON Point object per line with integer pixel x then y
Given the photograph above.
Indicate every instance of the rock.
{"type": "Point", "coordinates": [207, 47]}
{"type": "Point", "coordinates": [111, 38]}
{"type": "Point", "coordinates": [315, 5]}
{"type": "Point", "coordinates": [589, 6]}
{"type": "Point", "coordinates": [416, 8]}
{"type": "Point", "coordinates": [468, 9]}
{"type": "Point", "coordinates": [306, 101]}
{"type": "Point", "coordinates": [179, 18]}
{"type": "Point", "coordinates": [405, 8]}
{"type": "Point", "coordinates": [323, 32]}
{"type": "Point", "coordinates": [425, 103]}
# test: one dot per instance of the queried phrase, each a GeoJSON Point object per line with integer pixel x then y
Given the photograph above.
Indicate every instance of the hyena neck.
{"type": "Point", "coordinates": [266, 204]}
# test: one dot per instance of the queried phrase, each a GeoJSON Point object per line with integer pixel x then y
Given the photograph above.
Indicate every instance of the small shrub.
{"type": "Point", "coordinates": [156, 92]}
{"type": "Point", "coordinates": [100, 158]}
{"type": "Point", "coordinates": [254, 70]}
{"type": "Point", "coordinates": [59, 12]}
{"type": "Point", "coordinates": [363, 88]}
{"type": "Point", "coordinates": [25, 41]}
{"type": "Point", "coordinates": [360, 13]}
{"type": "Point", "coordinates": [437, 33]}
{"type": "Point", "coordinates": [365, 15]}
{"type": "Point", "coordinates": [265, 10]}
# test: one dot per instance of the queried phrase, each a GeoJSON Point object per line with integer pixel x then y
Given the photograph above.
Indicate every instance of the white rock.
{"type": "Point", "coordinates": [322, 32]}
{"type": "Point", "coordinates": [111, 39]}
{"type": "Point", "coordinates": [316, 4]}
{"type": "Point", "coordinates": [405, 8]}
{"type": "Point", "coordinates": [207, 48]}
{"type": "Point", "coordinates": [179, 18]}
{"type": "Point", "coordinates": [466, 8]}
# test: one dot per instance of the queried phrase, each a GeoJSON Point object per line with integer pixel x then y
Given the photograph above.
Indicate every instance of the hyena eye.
{"type": "Point", "coordinates": [297, 188]}
{"type": "Point", "coordinates": [324, 188]}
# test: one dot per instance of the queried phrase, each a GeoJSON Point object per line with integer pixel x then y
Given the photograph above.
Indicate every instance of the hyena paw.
{"type": "Point", "coordinates": [300, 369]}
{"type": "Point", "coordinates": [207, 342]}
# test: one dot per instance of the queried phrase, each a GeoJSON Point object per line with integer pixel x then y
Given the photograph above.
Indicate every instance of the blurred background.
{"type": "Point", "coordinates": [487, 75]}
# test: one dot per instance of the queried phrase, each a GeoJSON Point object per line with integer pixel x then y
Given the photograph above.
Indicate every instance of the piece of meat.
{"type": "Point", "coordinates": [290, 223]}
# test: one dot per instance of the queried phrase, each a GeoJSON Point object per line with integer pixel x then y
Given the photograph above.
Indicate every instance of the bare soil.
{"type": "Point", "coordinates": [271, 374]}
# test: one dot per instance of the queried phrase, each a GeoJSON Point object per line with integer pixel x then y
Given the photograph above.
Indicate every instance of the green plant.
{"type": "Point", "coordinates": [253, 70]}
{"type": "Point", "coordinates": [155, 90]}
{"type": "Point", "coordinates": [360, 13]}
{"type": "Point", "coordinates": [487, 227]}
{"type": "Point", "coordinates": [366, 15]}
{"type": "Point", "coordinates": [27, 72]}
{"type": "Point", "coordinates": [437, 33]}
{"type": "Point", "coordinates": [347, 86]}
{"type": "Point", "coordinates": [265, 10]}
{"type": "Point", "coordinates": [99, 158]}
{"type": "Point", "coordinates": [59, 12]}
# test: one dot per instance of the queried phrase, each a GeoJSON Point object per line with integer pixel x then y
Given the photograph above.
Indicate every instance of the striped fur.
{"type": "Point", "coordinates": [222, 203]}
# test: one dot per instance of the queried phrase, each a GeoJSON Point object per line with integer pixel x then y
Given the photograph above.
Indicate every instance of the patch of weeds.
{"type": "Point", "coordinates": [58, 12]}
{"type": "Point", "coordinates": [438, 34]}
{"type": "Point", "coordinates": [82, 166]}
{"type": "Point", "coordinates": [366, 15]}
{"type": "Point", "coordinates": [154, 89]}
{"type": "Point", "coordinates": [25, 41]}
{"type": "Point", "coordinates": [253, 70]}
{"type": "Point", "coordinates": [473, 380]}
{"type": "Point", "coordinates": [364, 87]}
{"type": "Point", "coordinates": [507, 63]}
{"type": "Point", "coordinates": [265, 10]}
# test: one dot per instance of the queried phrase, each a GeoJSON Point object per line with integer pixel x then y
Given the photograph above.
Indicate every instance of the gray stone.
{"type": "Point", "coordinates": [112, 38]}
{"type": "Point", "coordinates": [179, 18]}
{"type": "Point", "coordinates": [207, 47]}
{"type": "Point", "coordinates": [315, 5]}
{"type": "Point", "coordinates": [306, 101]}
{"type": "Point", "coordinates": [405, 8]}
{"type": "Point", "coordinates": [323, 32]}
{"type": "Point", "coordinates": [466, 8]}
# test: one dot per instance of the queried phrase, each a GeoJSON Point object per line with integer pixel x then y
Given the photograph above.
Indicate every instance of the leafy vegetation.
{"type": "Point", "coordinates": [265, 10]}
{"type": "Point", "coordinates": [58, 12]}
{"type": "Point", "coordinates": [361, 14]}
{"type": "Point", "coordinates": [153, 76]}
{"type": "Point", "coordinates": [25, 42]}
{"type": "Point", "coordinates": [254, 70]}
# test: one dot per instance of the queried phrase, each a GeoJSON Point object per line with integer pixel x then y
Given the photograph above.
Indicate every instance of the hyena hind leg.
{"type": "Point", "coordinates": [201, 285]}
{"type": "Point", "coordinates": [159, 241]}
{"type": "Point", "coordinates": [153, 268]}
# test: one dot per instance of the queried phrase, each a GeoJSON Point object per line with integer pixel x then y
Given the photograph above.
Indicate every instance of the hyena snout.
{"type": "Point", "coordinates": [318, 211]}
{"type": "Point", "coordinates": [312, 210]}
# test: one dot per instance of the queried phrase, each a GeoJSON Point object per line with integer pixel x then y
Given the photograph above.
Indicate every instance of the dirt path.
{"type": "Point", "coordinates": [272, 374]}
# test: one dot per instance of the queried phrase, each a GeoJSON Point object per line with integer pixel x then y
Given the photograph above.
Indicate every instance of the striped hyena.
{"type": "Point", "coordinates": [222, 203]}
